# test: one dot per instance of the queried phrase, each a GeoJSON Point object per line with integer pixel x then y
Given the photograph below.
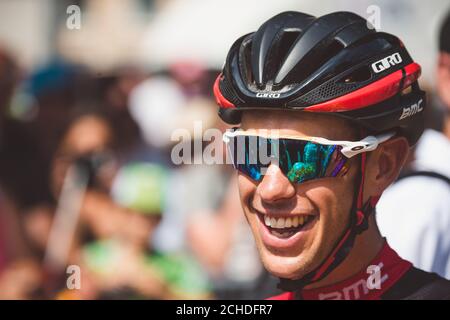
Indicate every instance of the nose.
{"type": "Point", "coordinates": [275, 186]}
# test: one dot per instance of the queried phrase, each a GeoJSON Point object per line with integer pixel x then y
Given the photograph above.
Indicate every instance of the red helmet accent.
{"type": "Point", "coordinates": [374, 93]}
{"type": "Point", "coordinates": [220, 99]}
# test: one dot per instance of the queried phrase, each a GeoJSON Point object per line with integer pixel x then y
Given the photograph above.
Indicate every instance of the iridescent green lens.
{"type": "Point", "coordinates": [299, 160]}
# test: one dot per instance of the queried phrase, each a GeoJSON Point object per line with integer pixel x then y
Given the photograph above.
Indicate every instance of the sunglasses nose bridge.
{"type": "Point", "coordinates": [275, 185]}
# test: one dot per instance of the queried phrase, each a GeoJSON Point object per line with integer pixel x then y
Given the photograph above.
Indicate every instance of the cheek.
{"type": "Point", "coordinates": [333, 201]}
{"type": "Point", "coordinates": [247, 188]}
{"type": "Point", "coordinates": [335, 196]}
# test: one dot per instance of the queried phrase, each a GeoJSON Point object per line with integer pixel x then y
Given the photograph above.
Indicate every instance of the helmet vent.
{"type": "Point", "coordinates": [313, 61]}
{"type": "Point", "coordinates": [330, 50]}
{"type": "Point", "coordinates": [285, 44]}
{"type": "Point", "coordinates": [245, 53]}
{"type": "Point", "coordinates": [359, 75]}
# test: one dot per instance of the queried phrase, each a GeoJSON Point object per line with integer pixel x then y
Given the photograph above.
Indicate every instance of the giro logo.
{"type": "Point", "coordinates": [387, 62]}
{"type": "Point", "coordinates": [412, 110]}
{"type": "Point", "coordinates": [268, 95]}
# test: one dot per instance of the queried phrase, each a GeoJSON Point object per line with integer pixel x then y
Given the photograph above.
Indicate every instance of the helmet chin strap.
{"type": "Point", "coordinates": [358, 223]}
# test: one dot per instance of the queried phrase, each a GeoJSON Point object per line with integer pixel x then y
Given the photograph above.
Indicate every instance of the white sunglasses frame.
{"type": "Point", "coordinates": [349, 148]}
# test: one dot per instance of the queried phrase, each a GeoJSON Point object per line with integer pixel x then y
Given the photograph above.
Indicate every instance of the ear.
{"type": "Point", "coordinates": [443, 77]}
{"type": "Point", "coordinates": [384, 164]}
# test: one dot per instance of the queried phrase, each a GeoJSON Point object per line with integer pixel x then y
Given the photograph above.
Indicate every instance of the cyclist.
{"type": "Point", "coordinates": [328, 109]}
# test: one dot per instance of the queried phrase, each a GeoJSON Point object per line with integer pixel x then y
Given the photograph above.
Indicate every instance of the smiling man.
{"type": "Point", "coordinates": [335, 106]}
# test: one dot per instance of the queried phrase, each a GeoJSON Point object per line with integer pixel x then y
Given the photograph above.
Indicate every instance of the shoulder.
{"type": "Point", "coordinates": [425, 198]}
{"type": "Point", "coordinates": [417, 284]}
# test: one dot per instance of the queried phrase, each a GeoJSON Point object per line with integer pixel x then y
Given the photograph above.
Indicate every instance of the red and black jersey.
{"type": "Point", "coordinates": [387, 277]}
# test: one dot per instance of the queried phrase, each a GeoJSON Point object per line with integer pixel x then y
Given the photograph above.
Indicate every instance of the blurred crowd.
{"type": "Point", "coordinates": [87, 180]}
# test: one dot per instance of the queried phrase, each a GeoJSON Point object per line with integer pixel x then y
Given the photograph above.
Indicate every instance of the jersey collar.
{"type": "Point", "coordinates": [369, 284]}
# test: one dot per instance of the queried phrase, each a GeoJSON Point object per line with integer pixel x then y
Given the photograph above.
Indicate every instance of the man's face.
{"type": "Point", "coordinates": [324, 203]}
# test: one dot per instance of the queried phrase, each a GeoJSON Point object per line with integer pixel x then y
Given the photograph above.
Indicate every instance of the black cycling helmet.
{"type": "Point", "coordinates": [336, 64]}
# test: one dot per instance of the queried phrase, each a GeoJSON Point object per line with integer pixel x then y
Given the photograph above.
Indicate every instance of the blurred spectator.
{"type": "Point", "coordinates": [81, 160]}
{"type": "Point", "coordinates": [443, 71]}
{"type": "Point", "coordinates": [21, 280]}
{"type": "Point", "coordinates": [20, 276]}
{"type": "Point", "coordinates": [8, 81]}
{"type": "Point", "coordinates": [38, 114]}
{"type": "Point", "coordinates": [125, 264]}
{"type": "Point", "coordinates": [414, 213]}
{"type": "Point", "coordinates": [114, 91]}
{"type": "Point", "coordinates": [165, 107]}
{"type": "Point", "coordinates": [2, 236]}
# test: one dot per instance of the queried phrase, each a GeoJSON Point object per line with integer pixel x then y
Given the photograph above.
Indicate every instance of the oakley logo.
{"type": "Point", "coordinates": [412, 110]}
{"type": "Point", "coordinates": [387, 62]}
{"type": "Point", "coordinates": [268, 95]}
{"type": "Point", "coordinates": [357, 148]}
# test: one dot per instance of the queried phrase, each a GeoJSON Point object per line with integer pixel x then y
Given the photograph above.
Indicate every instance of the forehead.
{"type": "Point", "coordinates": [306, 124]}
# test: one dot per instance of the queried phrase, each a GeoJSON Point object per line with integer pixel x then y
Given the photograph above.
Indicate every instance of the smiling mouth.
{"type": "Point", "coordinates": [287, 226]}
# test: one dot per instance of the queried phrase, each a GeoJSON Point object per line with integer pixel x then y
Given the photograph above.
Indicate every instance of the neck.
{"type": "Point", "coordinates": [366, 247]}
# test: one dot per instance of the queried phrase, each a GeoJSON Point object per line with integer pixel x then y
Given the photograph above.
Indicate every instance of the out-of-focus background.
{"type": "Point", "coordinates": [86, 177]}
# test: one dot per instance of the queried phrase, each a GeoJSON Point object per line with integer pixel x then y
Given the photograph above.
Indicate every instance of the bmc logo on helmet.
{"type": "Point", "coordinates": [412, 110]}
{"type": "Point", "coordinates": [387, 62]}
{"type": "Point", "coordinates": [268, 95]}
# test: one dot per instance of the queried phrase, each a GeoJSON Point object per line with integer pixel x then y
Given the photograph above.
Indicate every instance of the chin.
{"type": "Point", "coordinates": [284, 267]}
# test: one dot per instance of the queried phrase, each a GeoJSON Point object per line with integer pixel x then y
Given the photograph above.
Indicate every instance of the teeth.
{"type": "Point", "coordinates": [288, 223]}
{"type": "Point", "coordinates": [280, 223]}
{"type": "Point", "coordinates": [273, 222]}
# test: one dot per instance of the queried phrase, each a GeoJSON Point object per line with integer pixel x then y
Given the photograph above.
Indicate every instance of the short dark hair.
{"type": "Point", "coordinates": [444, 34]}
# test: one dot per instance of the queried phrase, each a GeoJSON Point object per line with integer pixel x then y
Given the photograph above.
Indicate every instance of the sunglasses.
{"type": "Point", "coordinates": [300, 159]}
